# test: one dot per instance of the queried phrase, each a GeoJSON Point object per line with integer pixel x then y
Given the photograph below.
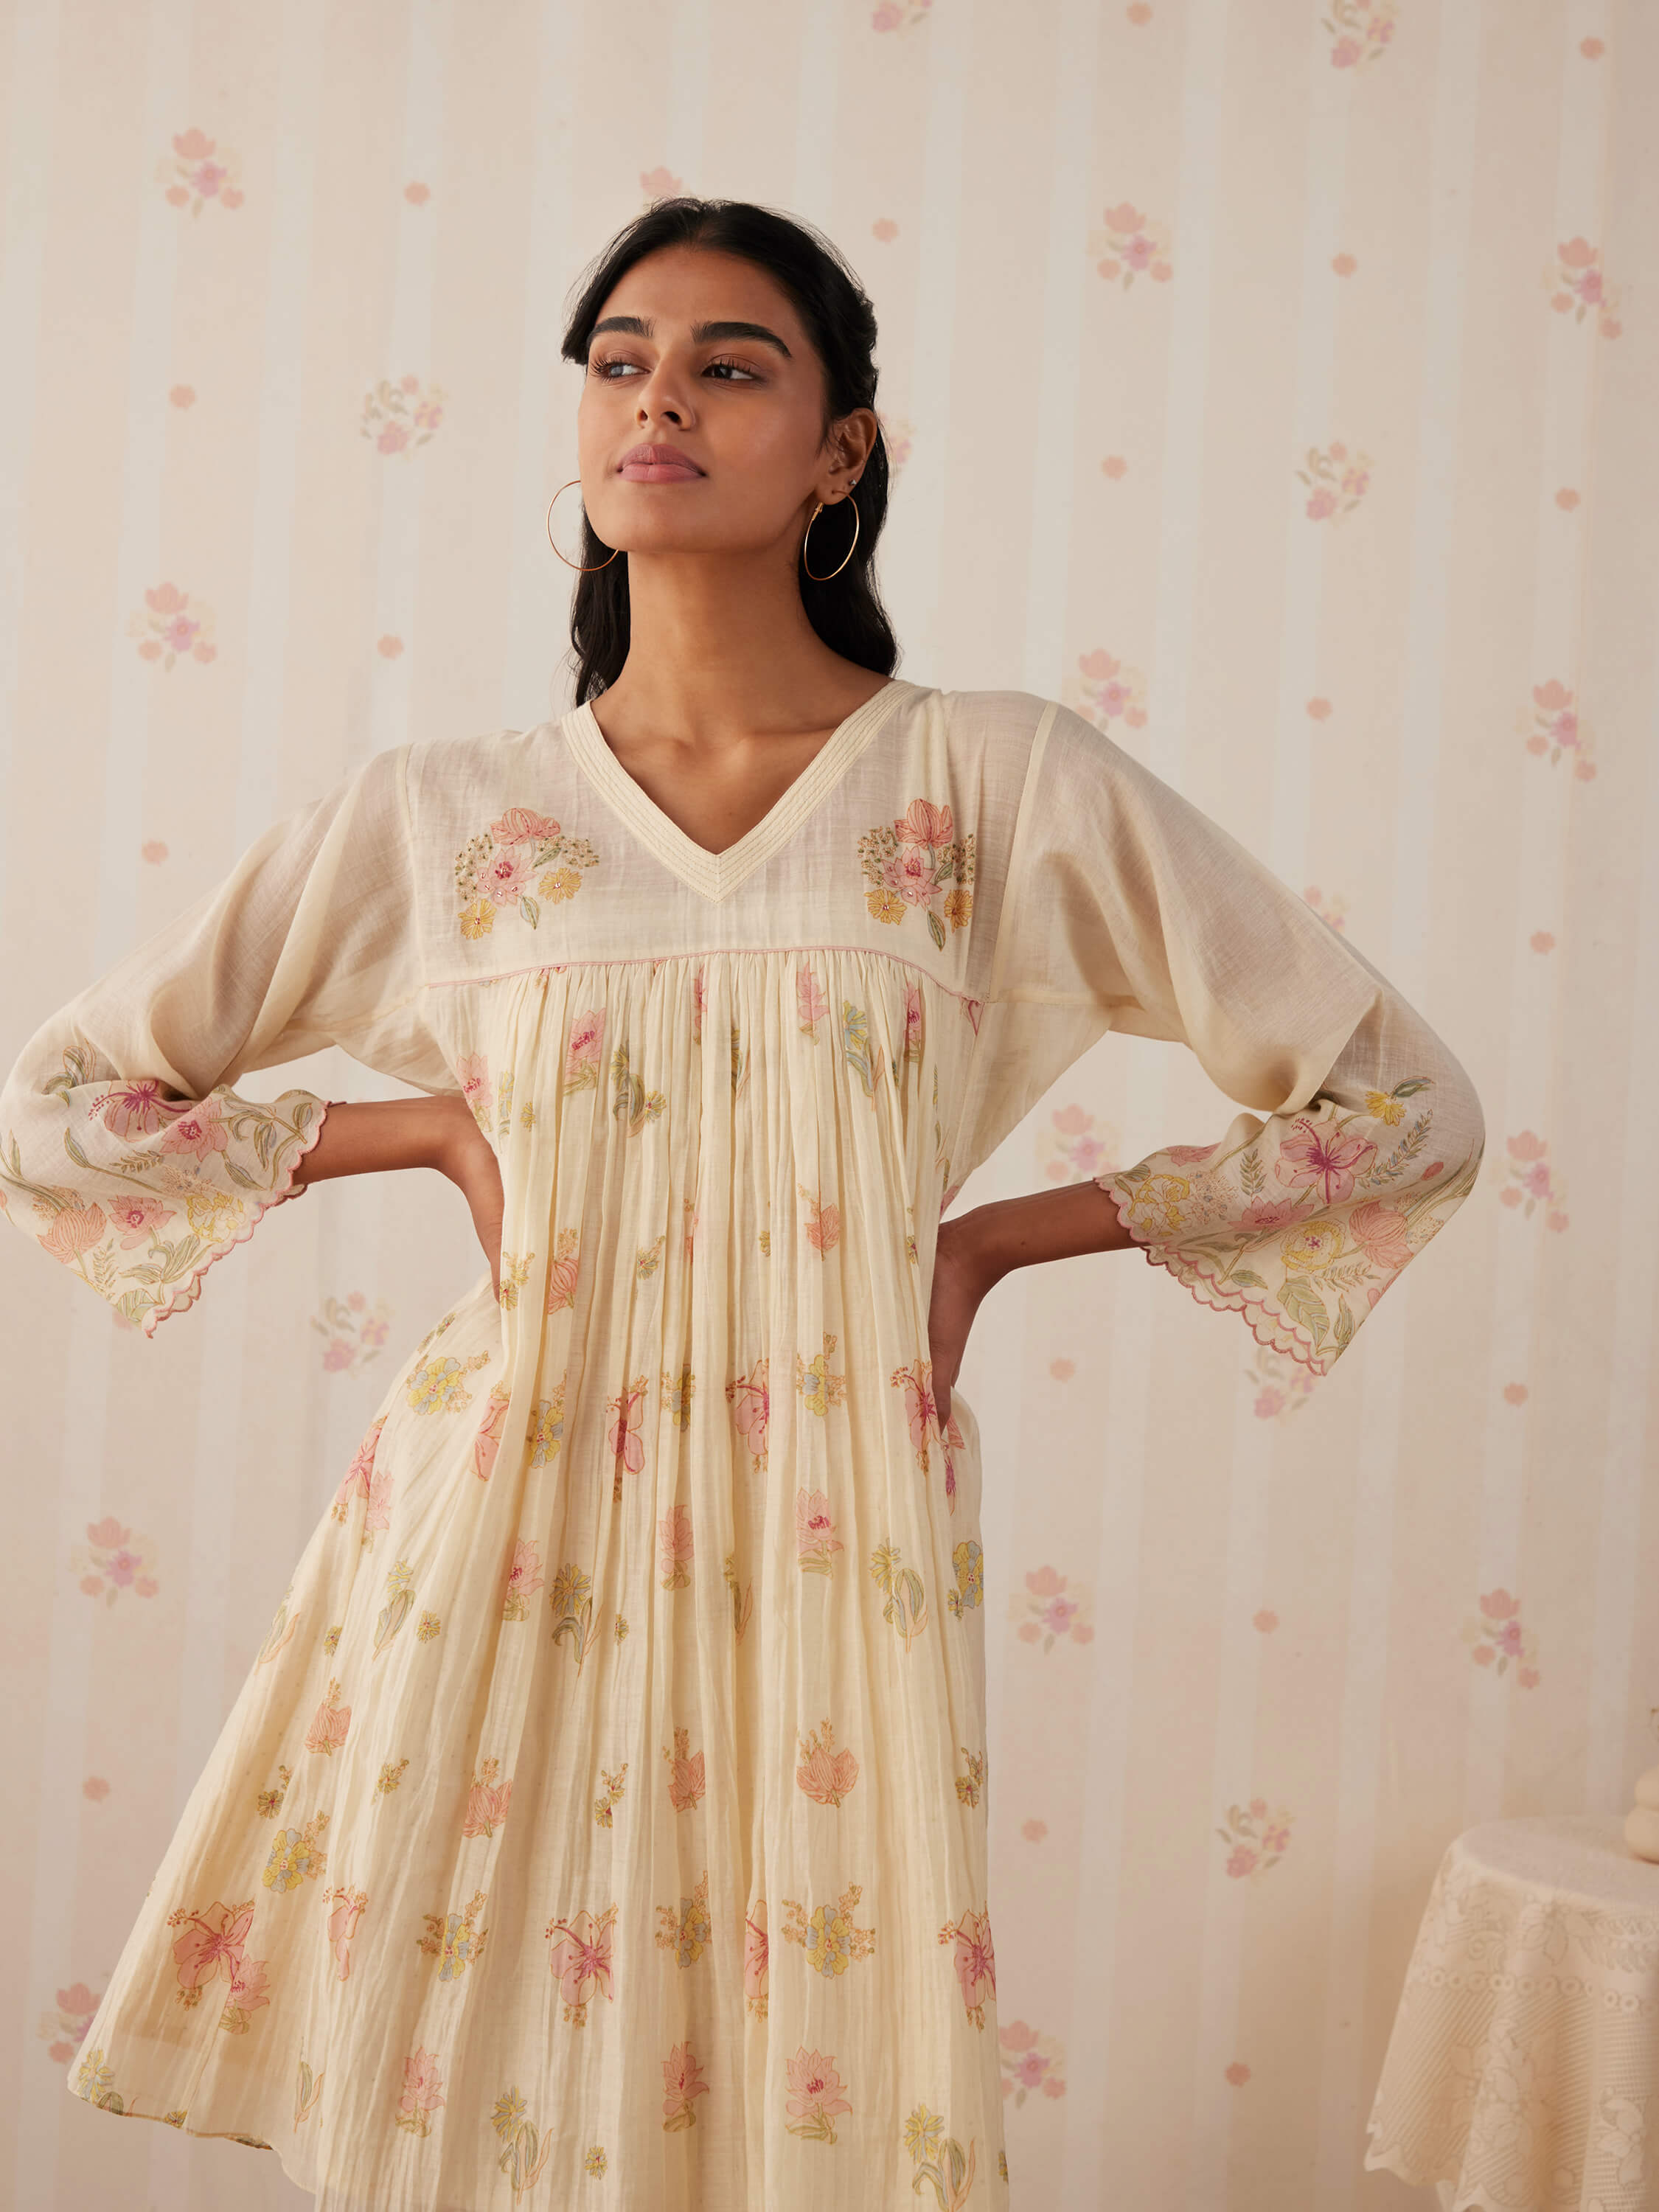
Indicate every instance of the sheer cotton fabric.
{"type": "Point", "coordinates": [609, 1800]}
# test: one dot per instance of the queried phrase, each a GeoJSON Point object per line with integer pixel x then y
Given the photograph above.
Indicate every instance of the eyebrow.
{"type": "Point", "coordinates": [641, 326]}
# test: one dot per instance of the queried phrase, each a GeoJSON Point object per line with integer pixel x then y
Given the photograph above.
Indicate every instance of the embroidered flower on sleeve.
{"type": "Point", "coordinates": [522, 858]}
{"type": "Point", "coordinates": [919, 860]}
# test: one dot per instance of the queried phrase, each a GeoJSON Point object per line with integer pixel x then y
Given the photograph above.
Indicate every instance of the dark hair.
{"type": "Point", "coordinates": [845, 610]}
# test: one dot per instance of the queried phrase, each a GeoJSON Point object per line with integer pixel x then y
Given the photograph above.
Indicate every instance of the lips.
{"type": "Point", "coordinates": [657, 464]}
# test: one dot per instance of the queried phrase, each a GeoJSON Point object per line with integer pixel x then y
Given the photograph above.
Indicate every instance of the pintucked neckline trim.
{"type": "Point", "coordinates": [715, 876]}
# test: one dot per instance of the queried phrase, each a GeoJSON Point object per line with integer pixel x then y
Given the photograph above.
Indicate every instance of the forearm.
{"type": "Point", "coordinates": [1044, 1224]}
{"type": "Point", "coordinates": [374, 1134]}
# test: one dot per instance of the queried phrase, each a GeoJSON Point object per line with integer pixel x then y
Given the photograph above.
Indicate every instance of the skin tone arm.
{"type": "Point", "coordinates": [727, 691]}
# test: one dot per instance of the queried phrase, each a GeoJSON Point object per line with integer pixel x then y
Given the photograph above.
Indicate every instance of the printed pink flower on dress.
{"type": "Point", "coordinates": [682, 2081]}
{"type": "Point", "coordinates": [1304, 1221]}
{"type": "Point", "coordinates": [212, 1949]}
{"type": "Point", "coordinates": [423, 2092]}
{"type": "Point", "coordinates": [817, 2095]}
{"type": "Point", "coordinates": [975, 1960]}
{"type": "Point", "coordinates": [522, 860]}
{"type": "Point", "coordinates": [177, 1181]}
{"type": "Point", "coordinates": [917, 861]}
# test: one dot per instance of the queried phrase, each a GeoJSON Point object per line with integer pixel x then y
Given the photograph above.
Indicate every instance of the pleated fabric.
{"type": "Point", "coordinates": [604, 1817]}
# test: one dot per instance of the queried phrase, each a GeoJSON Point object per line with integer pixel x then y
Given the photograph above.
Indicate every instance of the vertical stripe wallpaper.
{"type": "Point", "coordinates": [1272, 382]}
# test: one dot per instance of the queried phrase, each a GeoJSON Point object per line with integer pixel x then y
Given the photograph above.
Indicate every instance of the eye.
{"type": "Point", "coordinates": [599, 366]}
{"type": "Point", "coordinates": [725, 361]}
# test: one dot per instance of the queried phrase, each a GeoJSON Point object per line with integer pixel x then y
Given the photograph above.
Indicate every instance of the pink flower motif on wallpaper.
{"type": "Point", "coordinates": [1496, 1637]}
{"type": "Point", "coordinates": [900, 15]}
{"type": "Point", "coordinates": [1332, 910]}
{"type": "Point", "coordinates": [1337, 481]}
{"type": "Point", "coordinates": [1531, 1184]}
{"type": "Point", "coordinates": [1031, 2061]}
{"type": "Point", "coordinates": [1074, 1146]}
{"type": "Point", "coordinates": [1577, 286]}
{"type": "Point", "coordinates": [1283, 1386]}
{"type": "Point", "coordinates": [1131, 245]}
{"type": "Point", "coordinates": [171, 627]}
{"type": "Point", "coordinates": [351, 1333]}
{"type": "Point", "coordinates": [1554, 728]}
{"type": "Point", "coordinates": [64, 2031]}
{"type": "Point", "coordinates": [198, 170]}
{"type": "Point", "coordinates": [897, 435]}
{"type": "Point", "coordinates": [1360, 31]}
{"type": "Point", "coordinates": [114, 1559]}
{"type": "Point", "coordinates": [1107, 691]}
{"type": "Point", "coordinates": [401, 417]}
{"type": "Point", "coordinates": [1259, 1839]}
{"type": "Point", "coordinates": [1052, 1609]}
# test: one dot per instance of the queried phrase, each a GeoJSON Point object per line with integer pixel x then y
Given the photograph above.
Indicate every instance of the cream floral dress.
{"type": "Point", "coordinates": [603, 1821]}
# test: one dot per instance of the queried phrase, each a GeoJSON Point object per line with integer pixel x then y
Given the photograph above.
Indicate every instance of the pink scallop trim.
{"type": "Point", "coordinates": [185, 1294]}
{"type": "Point", "coordinates": [1275, 1330]}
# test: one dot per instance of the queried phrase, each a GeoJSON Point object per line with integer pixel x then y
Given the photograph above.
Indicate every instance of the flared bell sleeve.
{"type": "Point", "coordinates": [126, 1151]}
{"type": "Point", "coordinates": [1130, 909]}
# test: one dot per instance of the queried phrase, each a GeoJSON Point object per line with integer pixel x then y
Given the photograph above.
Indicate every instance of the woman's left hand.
{"type": "Point", "coordinates": [961, 1279]}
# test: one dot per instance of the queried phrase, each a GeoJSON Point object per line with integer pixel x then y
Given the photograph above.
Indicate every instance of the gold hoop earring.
{"type": "Point", "coordinates": [845, 557]}
{"type": "Point", "coordinates": [585, 569]}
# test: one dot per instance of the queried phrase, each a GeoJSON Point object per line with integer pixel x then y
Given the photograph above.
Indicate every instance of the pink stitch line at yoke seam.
{"type": "Point", "coordinates": [703, 952]}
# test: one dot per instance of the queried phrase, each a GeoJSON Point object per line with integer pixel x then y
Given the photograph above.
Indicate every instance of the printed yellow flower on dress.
{"type": "Point", "coordinates": [939, 2159]}
{"type": "Point", "coordinates": [1328, 1210]}
{"type": "Point", "coordinates": [917, 861]}
{"type": "Point", "coordinates": [686, 1932]}
{"type": "Point", "coordinates": [144, 1243]}
{"type": "Point", "coordinates": [522, 860]}
{"type": "Point", "coordinates": [525, 2150]}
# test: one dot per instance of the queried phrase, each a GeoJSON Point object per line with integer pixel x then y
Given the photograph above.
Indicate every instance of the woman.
{"type": "Point", "coordinates": [609, 1800]}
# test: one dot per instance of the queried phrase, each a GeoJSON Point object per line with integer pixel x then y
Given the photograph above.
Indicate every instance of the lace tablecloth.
{"type": "Point", "coordinates": [1522, 2071]}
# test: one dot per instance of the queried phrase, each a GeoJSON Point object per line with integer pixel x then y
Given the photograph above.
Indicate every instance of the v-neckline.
{"type": "Point", "coordinates": [714, 876]}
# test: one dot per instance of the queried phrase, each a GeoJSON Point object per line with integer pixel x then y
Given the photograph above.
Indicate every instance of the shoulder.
{"type": "Point", "coordinates": [1010, 724]}
{"type": "Point", "coordinates": [451, 778]}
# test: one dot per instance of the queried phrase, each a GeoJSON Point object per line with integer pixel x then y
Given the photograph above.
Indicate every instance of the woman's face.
{"type": "Point", "coordinates": [741, 407]}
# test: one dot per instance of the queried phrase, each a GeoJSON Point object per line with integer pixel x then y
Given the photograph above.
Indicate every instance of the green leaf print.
{"type": "Point", "coordinates": [1303, 1304]}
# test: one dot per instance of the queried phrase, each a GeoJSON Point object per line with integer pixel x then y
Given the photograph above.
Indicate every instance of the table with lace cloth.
{"type": "Point", "coordinates": [1522, 2071]}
